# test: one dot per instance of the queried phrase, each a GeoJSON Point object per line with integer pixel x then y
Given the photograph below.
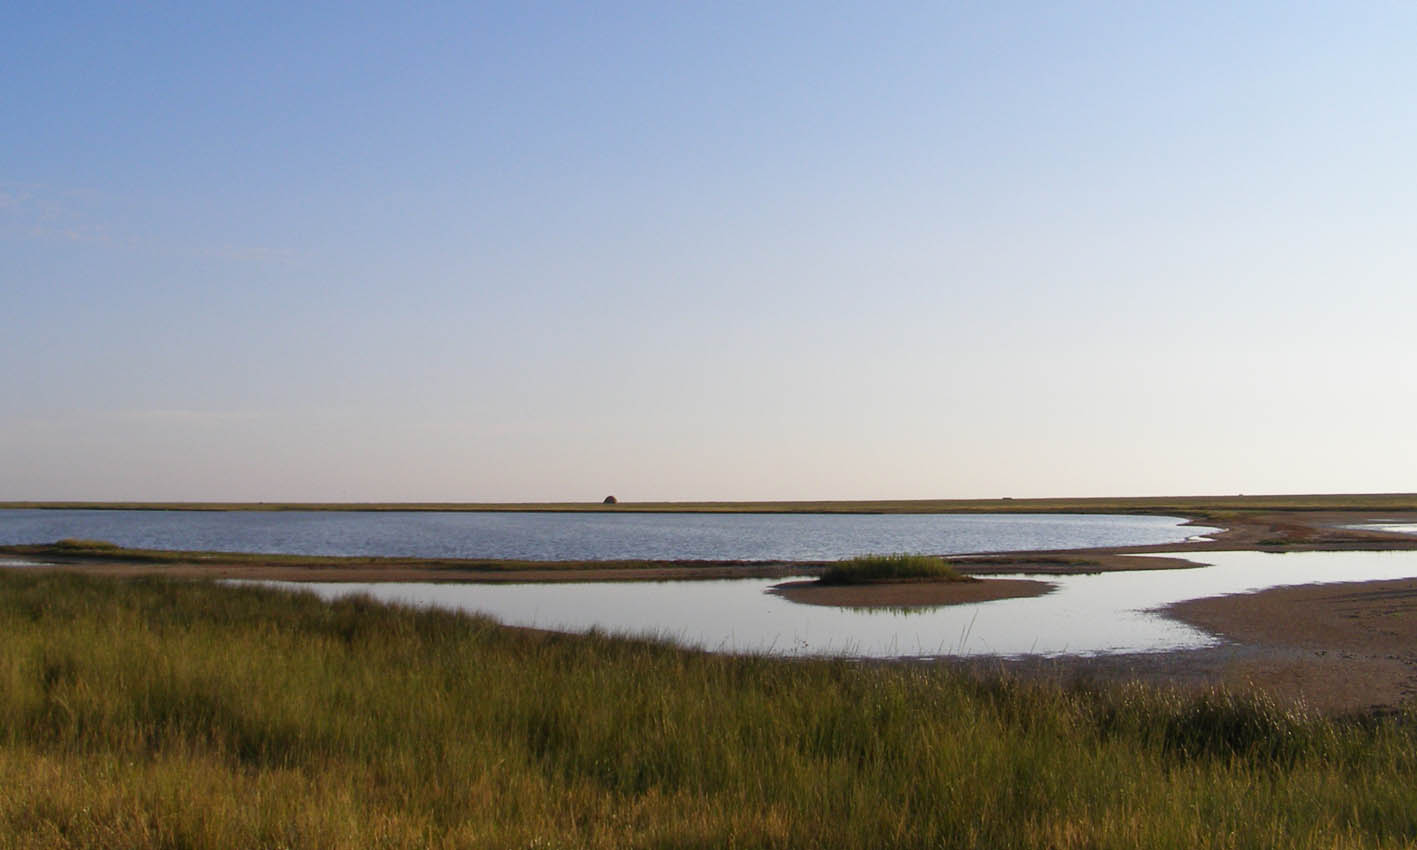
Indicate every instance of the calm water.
{"type": "Point", "coordinates": [1086, 614]}
{"type": "Point", "coordinates": [1398, 527]}
{"type": "Point", "coordinates": [599, 536]}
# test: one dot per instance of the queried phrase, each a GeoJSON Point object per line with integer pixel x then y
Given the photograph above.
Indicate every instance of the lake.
{"type": "Point", "coordinates": [590, 536]}
{"type": "Point", "coordinates": [1085, 614]}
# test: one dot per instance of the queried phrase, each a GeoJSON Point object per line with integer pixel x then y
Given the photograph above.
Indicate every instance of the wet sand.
{"type": "Point", "coordinates": [1335, 648]}
{"type": "Point", "coordinates": [1344, 646]}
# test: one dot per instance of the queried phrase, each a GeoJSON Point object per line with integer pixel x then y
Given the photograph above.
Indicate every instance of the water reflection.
{"type": "Point", "coordinates": [900, 610]}
{"type": "Point", "coordinates": [1086, 614]}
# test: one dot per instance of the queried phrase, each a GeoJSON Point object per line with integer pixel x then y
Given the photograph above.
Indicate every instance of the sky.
{"type": "Point", "coordinates": [552, 251]}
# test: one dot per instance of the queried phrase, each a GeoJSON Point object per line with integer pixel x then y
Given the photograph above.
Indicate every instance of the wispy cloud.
{"type": "Point", "coordinates": [49, 214]}
{"type": "Point", "coordinates": [39, 212]}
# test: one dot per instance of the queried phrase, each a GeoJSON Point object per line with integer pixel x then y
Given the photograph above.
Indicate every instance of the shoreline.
{"type": "Point", "coordinates": [1191, 506]}
{"type": "Point", "coordinates": [1337, 648]}
{"type": "Point", "coordinates": [1269, 531]}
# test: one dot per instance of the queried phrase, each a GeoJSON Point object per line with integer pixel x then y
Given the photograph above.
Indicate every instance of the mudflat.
{"type": "Point", "coordinates": [1350, 646]}
{"type": "Point", "coordinates": [1346, 648]}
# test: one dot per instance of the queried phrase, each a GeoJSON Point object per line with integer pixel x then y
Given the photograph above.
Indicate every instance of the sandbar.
{"type": "Point", "coordinates": [909, 594]}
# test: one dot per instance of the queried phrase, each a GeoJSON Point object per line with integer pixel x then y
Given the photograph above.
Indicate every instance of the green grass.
{"type": "Point", "coordinates": [162, 714]}
{"type": "Point", "coordinates": [876, 568]}
{"type": "Point", "coordinates": [78, 545]}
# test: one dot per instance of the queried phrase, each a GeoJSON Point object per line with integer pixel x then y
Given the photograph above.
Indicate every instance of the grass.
{"type": "Point", "coordinates": [878, 568]}
{"type": "Point", "coordinates": [162, 714]}
{"type": "Point", "coordinates": [78, 545]}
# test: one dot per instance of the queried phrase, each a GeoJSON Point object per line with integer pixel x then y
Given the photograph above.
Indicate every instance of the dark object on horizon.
{"type": "Point", "coordinates": [609, 500]}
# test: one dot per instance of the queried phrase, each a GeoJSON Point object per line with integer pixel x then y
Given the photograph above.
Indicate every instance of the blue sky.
{"type": "Point", "coordinates": [720, 251]}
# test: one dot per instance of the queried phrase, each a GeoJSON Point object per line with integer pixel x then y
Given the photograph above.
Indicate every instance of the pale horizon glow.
{"type": "Point", "coordinates": [500, 252]}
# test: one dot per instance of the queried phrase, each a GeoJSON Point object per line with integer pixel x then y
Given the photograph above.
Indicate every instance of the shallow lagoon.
{"type": "Point", "coordinates": [1085, 614]}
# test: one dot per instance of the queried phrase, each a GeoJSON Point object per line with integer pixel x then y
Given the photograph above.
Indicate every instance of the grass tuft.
{"type": "Point", "coordinates": [900, 567]}
{"type": "Point", "coordinates": [79, 544]}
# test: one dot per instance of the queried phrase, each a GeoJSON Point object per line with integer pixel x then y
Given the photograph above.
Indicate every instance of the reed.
{"type": "Point", "coordinates": [157, 713]}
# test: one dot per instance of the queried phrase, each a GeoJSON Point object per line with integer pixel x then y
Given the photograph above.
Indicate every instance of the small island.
{"type": "Point", "coordinates": [902, 581]}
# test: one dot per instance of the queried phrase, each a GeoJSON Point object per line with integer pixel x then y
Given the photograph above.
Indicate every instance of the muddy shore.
{"type": "Point", "coordinates": [1347, 648]}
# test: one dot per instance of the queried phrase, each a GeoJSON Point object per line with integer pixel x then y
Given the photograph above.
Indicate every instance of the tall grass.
{"type": "Point", "coordinates": [872, 568]}
{"type": "Point", "coordinates": [155, 713]}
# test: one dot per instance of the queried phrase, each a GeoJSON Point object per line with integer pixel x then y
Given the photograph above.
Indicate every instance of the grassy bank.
{"type": "Point", "coordinates": [169, 714]}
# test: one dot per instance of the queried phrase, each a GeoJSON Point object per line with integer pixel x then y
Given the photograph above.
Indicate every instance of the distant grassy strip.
{"type": "Point", "coordinates": [877, 568]}
{"type": "Point", "coordinates": [162, 714]}
{"type": "Point", "coordinates": [1184, 505]}
{"type": "Point", "coordinates": [69, 550]}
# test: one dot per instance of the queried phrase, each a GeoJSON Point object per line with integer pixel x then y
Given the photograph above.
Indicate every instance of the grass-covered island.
{"type": "Point", "coordinates": [872, 569]}
{"type": "Point", "coordinates": [172, 713]}
{"type": "Point", "coordinates": [902, 581]}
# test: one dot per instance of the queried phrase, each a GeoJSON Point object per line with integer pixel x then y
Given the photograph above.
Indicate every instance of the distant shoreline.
{"type": "Point", "coordinates": [1190, 506]}
{"type": "Point", "coordinates": [1275, 531]}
